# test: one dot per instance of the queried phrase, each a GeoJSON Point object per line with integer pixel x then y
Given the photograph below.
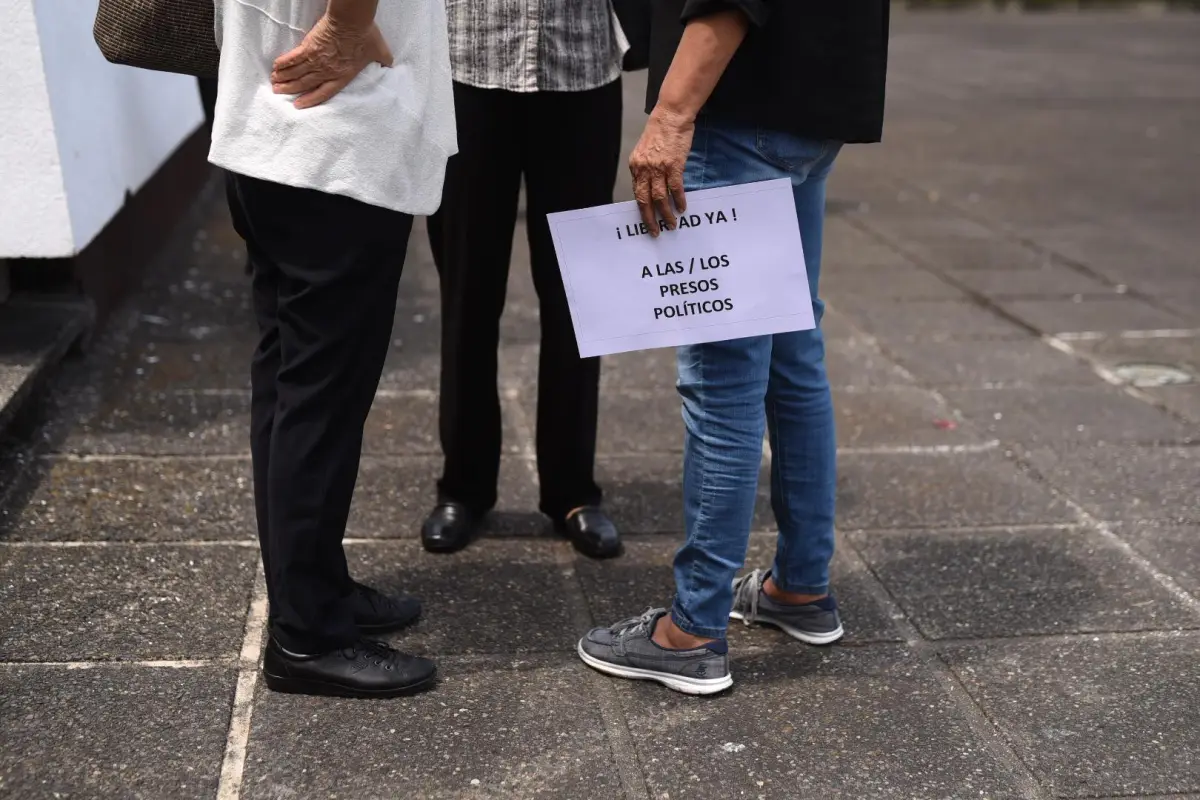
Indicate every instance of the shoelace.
{"type": "Point", "coordinates": [383, 654]}
{"type": "Point", "coordinates": [633, 623]}
{"type": "Point", "coordinates": [746, 591]}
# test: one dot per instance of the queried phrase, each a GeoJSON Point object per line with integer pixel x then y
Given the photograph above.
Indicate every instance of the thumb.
{"type": "Point", "coordinates": [383, 53]}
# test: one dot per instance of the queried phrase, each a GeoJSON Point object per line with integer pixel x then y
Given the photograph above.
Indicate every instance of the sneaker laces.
{"type": "Point", "coordinates": [746, 591]}
{"type": "Point", "coordinates": [383, 654]}
{"type": "Point", "coordinates": [632, 624]}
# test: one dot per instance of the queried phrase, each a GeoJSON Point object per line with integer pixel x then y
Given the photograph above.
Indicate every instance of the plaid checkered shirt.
{"type": "Point", "coordinates": [534, 45]}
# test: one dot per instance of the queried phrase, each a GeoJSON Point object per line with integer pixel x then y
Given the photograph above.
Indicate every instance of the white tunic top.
{"type": "Point", "coordinates": [384, 139]}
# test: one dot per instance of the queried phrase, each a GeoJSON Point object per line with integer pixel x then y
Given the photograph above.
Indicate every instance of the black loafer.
{"type": "Point", "coordinates": [364, 669]}
{"type": "Point", "coordinates": [592, 532]}
{"type": "Point", "coordinates": [449, 527]}
{"type": "Point", "coordinates": [376, 613]}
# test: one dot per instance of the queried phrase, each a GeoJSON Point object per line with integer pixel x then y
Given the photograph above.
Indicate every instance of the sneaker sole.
{"type": "Point", "coordinates": [278, 683]}
{"type": "Point", "coordinates": [818, 639]}
{"type": "Point", "coordinates": [680, 683]}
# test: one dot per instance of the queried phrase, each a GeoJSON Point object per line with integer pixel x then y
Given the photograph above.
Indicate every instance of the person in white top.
{"type": "Point", "coordinates": [334, 120]}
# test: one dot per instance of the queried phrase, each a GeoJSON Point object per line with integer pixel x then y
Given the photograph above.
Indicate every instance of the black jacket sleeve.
{"type": "Point", "coordinates": [756, 11]}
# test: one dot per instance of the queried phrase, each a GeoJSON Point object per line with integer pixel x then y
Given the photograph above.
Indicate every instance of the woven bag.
{"type": "Point", "coordinates": [161, 35]}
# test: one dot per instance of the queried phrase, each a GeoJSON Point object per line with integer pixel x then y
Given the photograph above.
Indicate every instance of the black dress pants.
{"type": "Point", "coordinates": [326, 271]}
{"type": "Point", "coordinates": [566, 145]}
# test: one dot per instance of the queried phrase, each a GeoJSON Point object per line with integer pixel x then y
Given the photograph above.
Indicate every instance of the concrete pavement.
{"type": "Point", "coordinates": [1008, 275]}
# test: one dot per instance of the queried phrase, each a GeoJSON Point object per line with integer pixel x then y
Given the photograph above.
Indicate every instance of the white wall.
{"type": "Point", "coordinates": [34, 220]}
{"type": "Point", "coordinates": [97, 130]}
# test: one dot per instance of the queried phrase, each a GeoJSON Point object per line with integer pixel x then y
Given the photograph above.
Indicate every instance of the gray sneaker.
{"type": "Point", "coordinates": [626, 651]}
{"type": "Point", "coordinates": [814, 623]}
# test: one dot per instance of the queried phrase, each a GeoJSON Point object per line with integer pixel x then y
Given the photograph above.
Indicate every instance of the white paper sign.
{"type": "Point", "coordinates": [732, 268]}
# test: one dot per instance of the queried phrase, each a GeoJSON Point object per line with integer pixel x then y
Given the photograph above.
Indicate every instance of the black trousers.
{"type": "Point", "coordinates": [326, 271]}
{"type": "Point", "coordinates": [566, 145]}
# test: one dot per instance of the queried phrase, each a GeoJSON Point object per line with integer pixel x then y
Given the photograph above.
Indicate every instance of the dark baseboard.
{"type": "Point", "coordinates": [111, 268]}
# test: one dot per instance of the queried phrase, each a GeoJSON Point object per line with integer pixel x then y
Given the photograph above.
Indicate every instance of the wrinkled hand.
{"type": "Point", "coordinates": [657, 164]}
{"type": "Point", "coordinates": [330, 56]}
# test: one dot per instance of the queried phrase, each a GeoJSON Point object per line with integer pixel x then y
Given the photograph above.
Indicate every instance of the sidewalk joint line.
{"type": "Point", "coordinates": [237, 739]}
{"type": "Point", "coordinates": [921, 449]}
{"type": "Point", "coordinates": [195, 663]}
{"type": "Point", "coordinates": [1024, 527]}
{"type": "Point", "coordinates": [1110, 377]}
{"type": "Point", "coordinates": [616, 726]}
{"type": "Point", "coordinates": [1148, 634]}
{"type": "Point", "coordinates": [988, 732]}
{"type": "Point", "coordinates": [131, 543]}
{"type": "Point", "coordinates": [1104, 529]}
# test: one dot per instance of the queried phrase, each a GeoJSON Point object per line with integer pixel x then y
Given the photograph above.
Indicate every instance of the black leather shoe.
{"type": "Point", "coordinates": [365, 669]}
{"type": "Point", "coordinates": [449, 527]}
{"type": "Point", "coordinates": [592, 532]}
{"type": "Point", "coordinates": [376, 613]}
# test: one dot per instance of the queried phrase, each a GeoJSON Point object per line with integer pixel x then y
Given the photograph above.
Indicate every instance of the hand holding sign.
{"type": "Point", "coordinates": [732, 266]}
{"type": "Point", "coordinates": [657, 164]}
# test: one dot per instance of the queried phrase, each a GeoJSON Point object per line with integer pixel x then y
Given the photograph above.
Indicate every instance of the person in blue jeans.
{"type": "Point", "coordinates": [743, 91]}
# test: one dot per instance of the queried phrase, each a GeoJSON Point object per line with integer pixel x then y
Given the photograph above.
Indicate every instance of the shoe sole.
{"type": "Point", "coordinates": [818, 639]}
{"type": "Point", "coordinates": [596, 554]}
{"type": "Point", "coordinates": [680, 683]}
{"type": "Point", "coordinates": [446, 548]}
{"type": "Point", "coordinates": [277, 683]}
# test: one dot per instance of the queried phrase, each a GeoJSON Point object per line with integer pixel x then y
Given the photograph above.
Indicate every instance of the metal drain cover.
{"type": "Point", "coordinates": [1147, 376]}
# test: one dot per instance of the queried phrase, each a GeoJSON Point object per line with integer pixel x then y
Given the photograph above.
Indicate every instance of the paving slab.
{"type": "Point", "coordinates": [757, 741]}
{"type": "Point", "coordinates": [994, 178]}
{"type": "Point", "coordinates": [200, 307]}
{"type": "Point", "coordinates": [1127, 483]}
{"type": "Point", "coordinates": [620, 588]}
{"type": "Point", "coordinates": [845, 247]}
{"type": "Point", "coordinates": [1180, 352]}
{"type": "Point", "coordinates": [34, 337]}
{"type": "Point", "coordinates": [123, 602]}
{"type": "Point", "coordinates": [955, 584]}
{"type": "Point", "coordinates": [1069, 416]}
{"type": "Point", "coordinates": [157, 500]}
{"type": "Point", "coordinates": [928, 319]}
{"type": "Point", "coordinates": [394, 495]}
{"type": "Point", "coordinates": [988, 364]}
{"type": "Point", "coordinates": [1178, 292]}
{"type": "Point", "coordinates": [941, 239]}
{"type": "Point", "coordinates": [411, 363]}
{"type": "Point", "coordinates": [496, 596]}
{"type": "Point", "coordinates": [645, 369]}
{"type": "Point", "coordinates": [941, 491]}
{"type": "Point", "coordinates": [111, 731]}
{"type": "Point", "coordinates": [637, 422]}
{"type": "Point", "coordinates": [204, 423]}
{"type": "Point", "coordinates": [855, 362]}
{"type": "Point", "coordinates": [644, 493]}
{"type": "Point", "coordinates": [165, 423]}
{"type": "Point", "coordinates": [156, 366]}
{"type": "Point", "coordinates": [1173, 549]}
{"type": "Point", "coordinates": [1093, 717]}
{"type": "Point", "coordinates": [1182, 401]}
{"type": "Point", "coordinates": [1121, 313]}
{"type": "Point", "coordinates": [891, 284]}
{"type": "Point", "coordinates": [1049, 281]}
{"type": "Point", "coordinates": [897, 417]}
{"type": "Point", "coordinates": [503, 726]}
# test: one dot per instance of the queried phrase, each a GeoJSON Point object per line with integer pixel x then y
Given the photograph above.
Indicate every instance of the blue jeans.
{"type": "Point", "coordinates": [735, 391]}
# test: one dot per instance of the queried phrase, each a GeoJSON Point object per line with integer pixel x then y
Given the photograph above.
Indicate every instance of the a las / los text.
{"type": "Point", "coordinates": [685, 268]}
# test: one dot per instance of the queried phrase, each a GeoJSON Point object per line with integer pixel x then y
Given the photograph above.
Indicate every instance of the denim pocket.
{"type": "Point", "coordinates": [792, 153]}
